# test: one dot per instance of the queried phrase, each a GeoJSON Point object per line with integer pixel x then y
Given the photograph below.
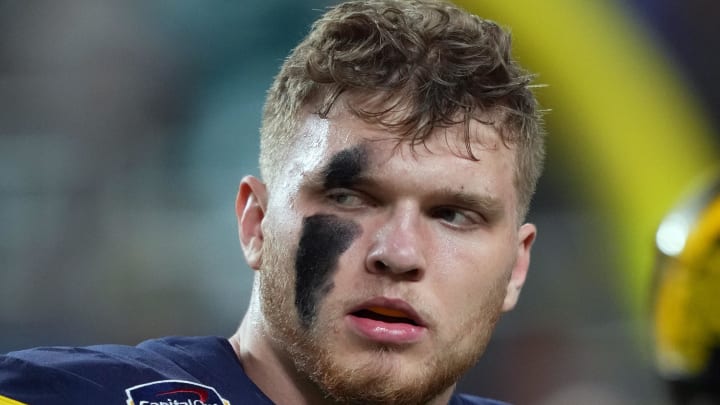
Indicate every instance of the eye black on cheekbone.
{"type": "Point", "coordinates": [324, 238]}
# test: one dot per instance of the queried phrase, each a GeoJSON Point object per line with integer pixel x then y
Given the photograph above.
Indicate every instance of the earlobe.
{"type": "Point", "coordinates": [526, 237]}
{"type": "Point", "coordinates": [250, 207]}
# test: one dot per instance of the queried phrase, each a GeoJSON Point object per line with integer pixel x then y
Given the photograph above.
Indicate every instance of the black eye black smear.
{"type": "Point", "coordinates": [346, 167]}
{"type": "Point", "coordinates": [324, 238]}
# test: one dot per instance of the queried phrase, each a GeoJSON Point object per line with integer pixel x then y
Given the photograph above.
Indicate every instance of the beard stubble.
{"type": "Point", "coordinates": [312, 354]}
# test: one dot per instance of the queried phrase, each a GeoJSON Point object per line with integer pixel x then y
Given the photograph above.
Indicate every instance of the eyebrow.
{"type": "Point", "coordinates": [319, 180]}
{"type": "Point", "coordinates": [492, 208]}
{"type": "Point", "coordinates": [346, 168]}
{"type": "Point", "coordinates": [349, 168]}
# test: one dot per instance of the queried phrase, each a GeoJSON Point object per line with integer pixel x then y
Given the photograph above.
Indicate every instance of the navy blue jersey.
{"type": "Point", "coordinates": [168, 371]}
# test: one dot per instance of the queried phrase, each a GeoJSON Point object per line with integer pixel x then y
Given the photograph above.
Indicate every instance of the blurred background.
{"type": "Point", "coordinates": [125, 128]}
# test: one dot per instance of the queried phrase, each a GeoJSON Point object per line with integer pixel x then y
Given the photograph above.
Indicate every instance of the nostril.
{"type": "Point", "coordinates": [380, 265]}
{"type": "Point", "coordinates": [413, 274]}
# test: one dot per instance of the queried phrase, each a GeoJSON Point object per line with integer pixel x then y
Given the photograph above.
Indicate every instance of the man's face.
{"type": "Point", "coordinates": [385, 267]}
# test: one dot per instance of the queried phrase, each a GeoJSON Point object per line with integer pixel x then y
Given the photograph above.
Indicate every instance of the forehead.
{"type": "Point", "coordinates": [343, 141]}
{"type": "Point", "coordinates": [321, 137]}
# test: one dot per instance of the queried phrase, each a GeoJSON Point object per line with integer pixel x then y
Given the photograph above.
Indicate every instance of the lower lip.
{"type": "Point", "coordinates": [385, 332]}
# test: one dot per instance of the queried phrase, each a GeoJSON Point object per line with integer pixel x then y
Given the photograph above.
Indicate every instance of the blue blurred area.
{"type": "Point", "coordinates": [125, 128]}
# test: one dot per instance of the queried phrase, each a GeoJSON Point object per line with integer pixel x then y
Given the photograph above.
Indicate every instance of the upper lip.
{"type": "Point", "coordinates": [391, 303]}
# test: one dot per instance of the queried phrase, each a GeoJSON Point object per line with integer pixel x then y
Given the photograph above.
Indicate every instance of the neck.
{"type": "Point", "coordinates": [268, 365]}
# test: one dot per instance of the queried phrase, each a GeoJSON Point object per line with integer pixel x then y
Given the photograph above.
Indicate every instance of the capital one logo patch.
{"type": "Point", "coordinates": [173, 392]}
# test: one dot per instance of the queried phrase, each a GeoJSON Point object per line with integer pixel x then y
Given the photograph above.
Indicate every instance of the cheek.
{"type": "Point", "coordinates": [324, 238]}
{"type": "Point", "coordinates": [469, 272]}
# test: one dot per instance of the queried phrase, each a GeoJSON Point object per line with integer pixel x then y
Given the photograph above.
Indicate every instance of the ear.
{"type": "Point", "coordinates": [526, 237]}
{"type": "Point", "coordinates": [250, 207]}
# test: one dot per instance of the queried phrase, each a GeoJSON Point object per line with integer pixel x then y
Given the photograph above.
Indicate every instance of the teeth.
{"type": "Point", "coordinates": [388, 312]}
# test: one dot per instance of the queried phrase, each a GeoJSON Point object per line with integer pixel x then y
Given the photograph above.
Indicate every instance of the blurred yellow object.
{"type": "Point", "coordinates": [687, 289]}
{"type": "Point", "coordinates": [621, 116]}
{"type": "Point", "coordinates": [8, 401]}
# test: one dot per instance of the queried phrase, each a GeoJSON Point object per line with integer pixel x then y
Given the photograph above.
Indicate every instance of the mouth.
{"type": "Point", "coordinates": [387, 321]}
{"type": "Point", "coordinates": [387, 315]}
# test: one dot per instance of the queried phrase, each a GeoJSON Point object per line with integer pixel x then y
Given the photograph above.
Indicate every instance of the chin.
{"type": "Point", "coordinates": [386, 375]}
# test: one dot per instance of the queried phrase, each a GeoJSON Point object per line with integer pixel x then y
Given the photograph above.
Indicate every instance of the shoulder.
{"type": "Point", "coordinates": [88, 374]}
{"type": "Point", "coordinates": [47, 374]}
{"type": "Point", "coordinates": [465, 399]}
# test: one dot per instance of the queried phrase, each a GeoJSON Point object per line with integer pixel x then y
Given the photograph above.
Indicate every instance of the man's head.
{"type": "Point", "coordinates": [428, 64]}
{"type": "Point", "coordinates": [400, 148]}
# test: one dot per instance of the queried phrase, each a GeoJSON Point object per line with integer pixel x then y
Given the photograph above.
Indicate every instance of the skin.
{"type": "Point", "coordinates": [428, 227]}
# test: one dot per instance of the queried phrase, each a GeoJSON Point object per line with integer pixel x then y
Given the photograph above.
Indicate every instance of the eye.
{"type": "Point", "coordinates": [457, 217]}
{"type": "Point", "coordinates": [346, 199]}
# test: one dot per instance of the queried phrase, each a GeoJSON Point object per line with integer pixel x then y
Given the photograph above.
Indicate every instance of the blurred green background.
{"type": "Point", "coordinates": [125, 128]}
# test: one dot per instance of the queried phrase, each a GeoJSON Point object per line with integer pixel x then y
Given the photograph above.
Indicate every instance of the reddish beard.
{"type": "Point", "coordinates": [311, 353]}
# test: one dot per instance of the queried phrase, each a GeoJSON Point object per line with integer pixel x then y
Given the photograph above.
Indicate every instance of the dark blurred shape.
{"type": "Point", "coordinates": [687, 298]}
{"type": "Point", "coordinates": [689, 32]}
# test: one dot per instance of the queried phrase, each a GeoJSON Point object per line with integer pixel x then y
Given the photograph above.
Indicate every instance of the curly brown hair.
{"type": "Point", "coordinates": [440, 64]}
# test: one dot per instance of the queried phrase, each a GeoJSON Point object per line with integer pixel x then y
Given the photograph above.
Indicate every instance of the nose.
{"type": "Point", "coordinates": [398, 246]}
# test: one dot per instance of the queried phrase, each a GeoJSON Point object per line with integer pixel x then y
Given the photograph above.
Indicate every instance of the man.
{"type": "Point", "coordinates": [400, 148]}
